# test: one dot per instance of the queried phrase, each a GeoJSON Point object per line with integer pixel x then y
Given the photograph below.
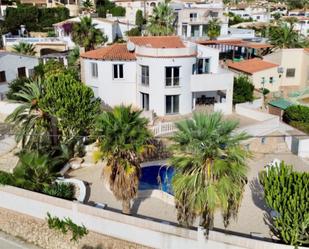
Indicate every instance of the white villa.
{"type": "Point", "coordinates": [12, 66]}
{"type": "Point", "coordinates": [193, 18]}
{"type": "Point", "coordinates": [164, 75]}
{"type": "Point", "coordinates": [113, 28]}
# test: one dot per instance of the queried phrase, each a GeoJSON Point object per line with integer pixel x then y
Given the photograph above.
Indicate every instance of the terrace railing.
{"type": "Point", "coordinates": [163, 129]}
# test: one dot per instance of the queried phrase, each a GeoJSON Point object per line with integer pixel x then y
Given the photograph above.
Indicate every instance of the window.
{"type": "Point", "coordinates": [271, 80]}
{"type": "Point", "coordinates": [145, 75]}
{"type": "Point", "coordinates": [2, 76]}
{"type": "Point", "coordinates": [202, 65]}
{"type": "Point", "coordinates": [172, 76]}
{"type": "Point", "coordinates": [145, 101]}
{"type": "Point", "coordinates": [184, 30]}
{"type": "Point", "coordinates": [118, 71]}
{"type": "Point", "coordinates": [193, 16]}
{"type": "Point", "coordinates": [195, 30]}
{"type": "Point", "coordinates": [263, 140]}
{"type": "Point", "coordinates": [290, 72]}
{"type": "Point", "coordinates": [263, 80]}
{"type": "Point", "coordinates": [94, 69]}
{"type": "Point", "coordinates": [172, 104]}
{"type": "Point", "coordinates": [95, 90]}
{"type": "Point", "coordinates": [21, 71]}
{"type": "Point", "coordinates": [205, 30]}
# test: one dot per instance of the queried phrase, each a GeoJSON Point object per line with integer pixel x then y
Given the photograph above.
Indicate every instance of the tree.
{"type": "Point", "coordinates": [123, 141]}
{"type": "Point", "coordinates": [15, 86]}
{"type": "Point", "coordinates": [284, 36]}
{"type": "Point", "coordinates": [72, 104]}
{"type": "Point", "coordinates": [287, 194]}
{"type": "Point", "coordinates": [243, 90]}
{"type": "Point", "coordinates": [161, 22]}
{"type": "Point", "coordinates": [86, 35]}
{"type": "Point", "coordinates": [24, 48]}
{"type": "Point", "coordinates": [213, 30]}
{"type": "Point", "coordinates": [210, 169]}
{"type": "Point", "coordinates": [139, 19]}
{"type": "Point", "coordinates": [298, 117]}
{"type": "Point", "coordinates": [88, 5]}
{"type": "Point", "coordinates": [29, 121]}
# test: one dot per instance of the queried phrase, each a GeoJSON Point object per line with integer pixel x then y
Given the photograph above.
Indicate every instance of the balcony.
{"type": "Point", "coordinates": [212, 81]}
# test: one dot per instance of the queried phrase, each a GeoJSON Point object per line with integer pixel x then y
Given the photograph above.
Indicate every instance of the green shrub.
{"type": "Point", "coordinates": [66, 225]}
{"type": "Point", "coordinates": [287, 193]}
{"type": "Point", "coordinates": [296, 113]}
{"type": "Point", "coordinates": [15, 86]}
{"type": "Point", "coordinates": [243, 90]}
{"type": "Point", "coordinates": [302, 126]}
{"type": "Point", "coordinates": [6, 178]}
{"type": "Point", "coordinates": [118, 11]}
{"type": "Point", "coordinates": [134, 32]}
{"type": "Point", "coordinates": [61, 190]}
{"type": "Point", "coordinates": [35, 19]}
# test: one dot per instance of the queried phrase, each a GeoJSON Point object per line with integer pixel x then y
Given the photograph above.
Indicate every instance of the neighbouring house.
{"type": "Point", "coordinates": [192, 18]}
{"type": "Point", "coordinates": [246, 11]}
{"type": "Point", "coordinates": [263, 74]}
{"type": "Point", "coordinates": [113, 27]}
{"type": "Point", "coordinates": [162, 75]}
{"type": "Point", "coordinates": [293, 67]}
{"type": "Point", "coordinates": [62, 57]}
{"type": "Point", "coordinates": [146, 6]}
{"type": "Point", "coordinates": [301, 24]}
{"type": "Point", "coordinates": [12, 66]}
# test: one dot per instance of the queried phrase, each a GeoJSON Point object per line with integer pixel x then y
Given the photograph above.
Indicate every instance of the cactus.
{"type": "Point", "coordinates": [287, 193]}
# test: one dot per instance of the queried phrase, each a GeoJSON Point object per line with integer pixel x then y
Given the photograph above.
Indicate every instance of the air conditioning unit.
{"type": "Point", "coordinates": [280, 70]}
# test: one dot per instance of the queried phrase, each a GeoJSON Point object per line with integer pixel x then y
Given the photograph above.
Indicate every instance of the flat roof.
{"type": "Point", "coordinates": [281, 103]}
{"type": "Point", "coordinates": [236, 43]}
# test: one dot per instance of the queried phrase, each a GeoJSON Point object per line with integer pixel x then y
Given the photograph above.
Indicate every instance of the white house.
{"type": "Point", "coordinates": [160, 74]}
{"type": "Point", "coordinates": [192, 18]}
{"type": "Point", "coordinates": [257, 13]}
{"type": "Point", "coordinates": [112, 27]}
{"type": "Point", "coordinates": [13, 65]}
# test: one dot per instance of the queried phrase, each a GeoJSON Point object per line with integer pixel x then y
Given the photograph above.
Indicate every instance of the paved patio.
{"type": "Point", "coordinates": [251, 215]}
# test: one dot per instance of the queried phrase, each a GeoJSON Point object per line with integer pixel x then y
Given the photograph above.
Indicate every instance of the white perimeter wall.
{"type": "Point", "coordinates": [133, 229]}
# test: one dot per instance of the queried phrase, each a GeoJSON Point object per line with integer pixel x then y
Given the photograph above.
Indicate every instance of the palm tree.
{"type": "Point", "coordinates": [24, 48]}
{"type": "Point", "coordinates": [210, 169]}
{"type": "Point", "coordinates": [284, 36]}
{"type": "Point", "coordinates": [29, 120]}
{"type": "Point", "coordinates": [88, 5]}
{"type": "Point", "coordinates": [123, 141]}
{"type": "Point", "coordinates": [86, 35]}
{"type": "Point", "coordinates": [213, 30]}
{"type": "Point", "coordinates": [161, 22]}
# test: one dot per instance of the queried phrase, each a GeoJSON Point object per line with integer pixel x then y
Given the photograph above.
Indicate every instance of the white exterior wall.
{"type": "Point", "coordinates": [112, 91]}
{"type": "Point", "coordinates": [10, 64]}
{"type": "Point", "coordinates": [157, 89]}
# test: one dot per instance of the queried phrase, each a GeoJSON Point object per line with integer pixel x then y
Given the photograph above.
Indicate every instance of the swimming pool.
{"type": "Point", "coordinates": [157, 177]}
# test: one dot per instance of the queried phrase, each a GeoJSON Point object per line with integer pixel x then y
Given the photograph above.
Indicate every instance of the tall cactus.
{"type": "Point", "coordinates": [287, 193]}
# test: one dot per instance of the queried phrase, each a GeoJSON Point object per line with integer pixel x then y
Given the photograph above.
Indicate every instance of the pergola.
{"type": "Point", "coordinates": [238, 49]}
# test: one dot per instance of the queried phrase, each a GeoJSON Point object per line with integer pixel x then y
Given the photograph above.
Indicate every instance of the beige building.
{"type": "Point", "coordinates": [294, 67]}
{"type": "Point", "coordinates": [262, 73]}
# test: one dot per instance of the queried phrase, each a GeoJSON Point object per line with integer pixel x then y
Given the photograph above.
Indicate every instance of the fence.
{"type": "Point", "coordinates": [163, 129]}
{"type": "Point", "coordinates": [137, 230]}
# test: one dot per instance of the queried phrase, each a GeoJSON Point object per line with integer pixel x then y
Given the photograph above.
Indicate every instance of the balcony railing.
{"type": "Point", "coordinates": [172, 81]}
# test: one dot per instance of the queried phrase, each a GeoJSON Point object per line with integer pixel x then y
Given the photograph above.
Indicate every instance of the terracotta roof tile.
{"type": "Point", "coordinates": [113, 52]}
{"type": "Point", "coordinates": [158, 41]}
{"type": "Point", "coordinates": [251, 66]}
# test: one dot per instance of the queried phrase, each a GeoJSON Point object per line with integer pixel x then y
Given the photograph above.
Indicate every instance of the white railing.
{"type": "Point", "coordinates": [15, 40]}
{"type": "Point", "coordinates": [163, 129]}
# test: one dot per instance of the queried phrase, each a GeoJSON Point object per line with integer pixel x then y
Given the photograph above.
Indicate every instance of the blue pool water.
{"type": "Point", "coordinates": [157, 177]}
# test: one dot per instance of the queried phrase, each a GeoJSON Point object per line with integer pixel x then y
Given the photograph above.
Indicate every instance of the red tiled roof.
{"type": "Point", "coordinates": [113, 52]}
{"type": "Point", "coordinates": [251, 66]}
{"type": "Point", "coordinates": [158, 41]}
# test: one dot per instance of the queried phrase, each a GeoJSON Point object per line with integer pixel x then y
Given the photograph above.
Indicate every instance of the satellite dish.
{"type": "Point", "coordinates": [130, 46]}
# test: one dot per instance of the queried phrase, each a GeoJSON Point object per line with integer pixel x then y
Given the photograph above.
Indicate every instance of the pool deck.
{"type": "Point", "coordinates": [251, 215]}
